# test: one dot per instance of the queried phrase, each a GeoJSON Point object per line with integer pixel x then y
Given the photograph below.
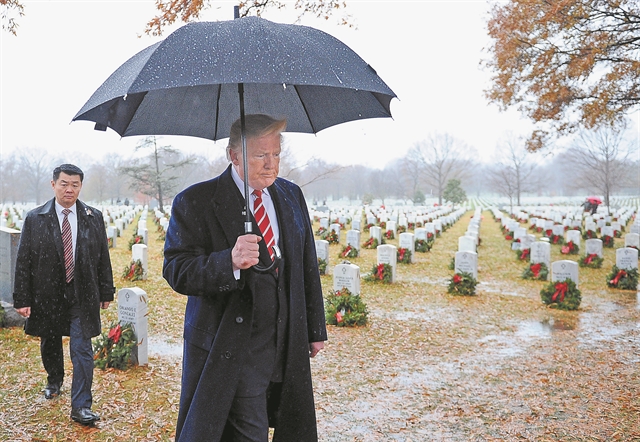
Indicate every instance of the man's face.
{"type": "Point", "coordinates": [263, 159]}
{"type": "Point", "coordinates": [67, 189]}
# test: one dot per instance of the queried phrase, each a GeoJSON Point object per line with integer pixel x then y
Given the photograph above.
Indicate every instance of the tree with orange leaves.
{"type": "Point", "coordinates": [566, 64]}
{"type": "Point", "coordinates": [189, 10]}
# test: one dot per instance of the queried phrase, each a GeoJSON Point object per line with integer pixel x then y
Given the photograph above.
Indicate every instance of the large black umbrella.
{"type": "Point", "coordinates": [206, 75]}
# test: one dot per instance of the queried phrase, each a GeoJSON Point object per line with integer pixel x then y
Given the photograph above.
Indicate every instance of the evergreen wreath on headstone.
{"type": "Point", "coordinates": [562, 295]}
{"type": "Point", "coordinates": [523, 255]}
{"type": "Point", "coordinates": [607, 241]}
{"type": "Point", "coordinates": [622, 279]}
{"type": "Point", "coordinates": [422, 246]}
{"type": "Point", "coordinates": [538, 271]}
{"type": "Point", "coordinates": [332, 237]}
{"type": "Point", "coordinates": [135, 239]}
{"type": "Point", "coordinates": [112, 349]}
{"type": "Point", "coordinates": [348, 252]}
{"type": "Point", "coordinates": [403, 256]}
{"type": "Point", "coordinates": [322, 266]}
{"type": "Point", "coordinates": [592, 261]}
{"type": "Point", "coordinates": [570, 248]}
{"type": "Point", "coordinates": [380, 273]}
{"type": "Point", "coordinates": [462, 283]}
{"type": "Point", "coordinates": [344, 309]}
{"type": "Point", "coordinates": [371, 243]}
{"type": "Point", "coordinates": [134, 271]}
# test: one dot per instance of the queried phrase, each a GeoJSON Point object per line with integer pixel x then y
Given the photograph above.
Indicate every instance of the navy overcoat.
{"type": "Point", "coordinates": [206, 220]}
{"type": "Point", "coordinates": [40, 273]}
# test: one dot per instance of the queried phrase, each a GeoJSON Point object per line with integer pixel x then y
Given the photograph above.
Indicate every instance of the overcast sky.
{"type": "Point", "coordinates": [428, 52]}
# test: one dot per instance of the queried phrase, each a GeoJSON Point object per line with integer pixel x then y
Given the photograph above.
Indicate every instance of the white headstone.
{"type": "Point", "coordinates": [519, 233]}
{"type": "Point", "coordinates": [421, 233]}
{"type": "Point", "coordinates": [466, 244]}
{"type": "Point", "coordinates": [574, 237]}
{"type": "Point", "coordinates": [627, 258]}
{"type": "Point", "coordinates": [322, 249]}
{"type": "Point", "coordinates": [356, 224]}
{"type": "Point", "coordinates": [141, 252]}
{"type": "Point", "coordinates": [335, 228]}
{"type": "Point", "coordinates": [540, 253]}
{"type": "Point", "coordinates": [324, 223]}
{"type": "Point", "coordinates": [406, 241]}
{"type": "Point", "coordinates": [526, 241]}
{"type": "Point", "coordinates": [564, 269]}
{"type": "Point", "coordinates": [632, 240]}
{"type": "Point", "coordinates": [376, 232]}
{"type": "Point", "coordinates": [391, 225]}
{"type": "Point", "coordinates": [558, 229]}
{"type": "Point", "coordinates": [112, 233]}
{"type": "Point", "coordinates": [132, 309]}
{"type": "Point", "coordinates": [353, 239]}
{"type": "Point", "coordinates": [388, 254]}
{"type": "Point", "coordinates": [347, 275]}
{"type": "Point", "coordinates": [593, 247]}
{"type": "Point", "coordinates": [467, 262]}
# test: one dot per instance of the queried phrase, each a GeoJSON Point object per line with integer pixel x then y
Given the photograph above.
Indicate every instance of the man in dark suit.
{"type": "Point", "coordinates": [248, 336]}
{"type": "Point", "coordinates": [63, 277]}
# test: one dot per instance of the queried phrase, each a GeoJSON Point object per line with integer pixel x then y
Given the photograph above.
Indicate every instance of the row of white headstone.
{"type": "Point", "coordinates": [466, 258]}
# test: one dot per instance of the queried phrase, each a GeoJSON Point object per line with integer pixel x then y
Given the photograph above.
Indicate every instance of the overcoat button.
{"type": "Point", "coordinates": [239, 319]}
{"type": "Point", "coordinates": [227, 354]}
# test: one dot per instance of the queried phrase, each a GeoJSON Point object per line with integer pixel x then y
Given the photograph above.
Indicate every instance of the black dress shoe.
{"type": "Point", "coordinates": [51, 391]}
{"type": "Point", "coordinates": [84, 416]}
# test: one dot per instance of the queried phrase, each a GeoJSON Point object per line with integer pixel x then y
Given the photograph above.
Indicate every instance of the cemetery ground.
{"type": "Point", "coordinates": [429, 365]}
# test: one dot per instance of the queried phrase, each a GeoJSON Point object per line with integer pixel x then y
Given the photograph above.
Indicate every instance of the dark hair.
{"type": "Point", "coordinates": [69, 169]}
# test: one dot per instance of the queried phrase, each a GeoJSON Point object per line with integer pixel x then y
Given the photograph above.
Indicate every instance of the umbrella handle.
{"type": "Point", "coordinates": [275, 263]}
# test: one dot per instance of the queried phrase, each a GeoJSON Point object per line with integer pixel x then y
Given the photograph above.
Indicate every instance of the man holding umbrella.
{"type": "Point", "coordinates": [248, 334]}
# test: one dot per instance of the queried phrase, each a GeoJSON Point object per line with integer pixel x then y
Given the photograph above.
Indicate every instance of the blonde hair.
{"type": "Point", "coordinates": [256, 125]}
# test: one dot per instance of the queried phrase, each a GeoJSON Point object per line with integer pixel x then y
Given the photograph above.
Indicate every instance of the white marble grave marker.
{"type": "Point", "coordinates": [322, 249]}
{"type": "Point", "coordinates": [540, 253]}
{"type": "Point", "coordinates": [132, 309]}
{"type": "Point", "coordinates": [347, 275]}
{"type": "Point", "coordinates": [466, 244]}
{"type": "Point", "coordinates": [593, 247]}
{"type": "Point", "coordinates": [376, 232]}
{"type": "Point", "coordinates": [141, 252]}
{"type": "Point", "coordinates": [574, 237]}
{"type": "Point", "coordinates": [564, 269]}
{"type": "Point", "coordinates": [467, 262]}
{"type": "Point", "coordinates": [632, 240]}
{"type": "Point", "coordinates": [627, 258]}
{"type": "Point", "coordinates": [353, 239]}
{"type": "Point", "coordinates": [406, 241]}
{"type": "Point", "coordinates": [388, 254]}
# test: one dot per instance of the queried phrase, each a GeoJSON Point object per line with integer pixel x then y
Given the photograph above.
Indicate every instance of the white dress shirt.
{"type": "Point", "coordinates": [73, 221]}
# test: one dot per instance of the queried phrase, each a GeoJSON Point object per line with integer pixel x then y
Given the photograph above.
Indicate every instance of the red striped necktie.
{"type": "Point", "coordinates": [260, 214]}
{"type": "Point", "coordinates": [67, 242]}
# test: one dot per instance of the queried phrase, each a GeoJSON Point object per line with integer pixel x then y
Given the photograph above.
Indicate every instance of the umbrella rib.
{"type": "Point", "coordinates": [215, 131]}
{"type": "Point", "coordinates": [305, 110]}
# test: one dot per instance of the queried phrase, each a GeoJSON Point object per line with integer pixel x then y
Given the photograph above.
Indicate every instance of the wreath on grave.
{"type": "Point", "coordinates": [401, 229]}
{"type": "Point", "coordinates": [430, 239]}
{"type": "Point", "coordinates": [419, 224]}
{"type": "Point", "coordinates": [579, 229]}
{"type": "Point", "coordinates": [538, 229]}
{"type": "Point", "coordinates": [383, 225]}
{"type": "Point", "coordinates": [589, 234]}
{"type": "Point", "coordinates": [110, 242]}
{"type": "Point", "coordinates": [368, 227]}
{"type": "Point", "coordinates": [134, 271]}
{"type": "Point", "coordinates": [523, 255]}
{"type": "Point", "coordinates": [538, 271]}
{"type": "Point", "coordinates": [380, 273]}
{"type": "Point", "coordinates": [622, 279]}
{"type": "Point", "coordinates": [462, 283]}
{"type": "Point", "coordinates": [113, 349]}
{"type": "Point", "coordinates": [404, 255]}
{"type": "Point", "coordinates": [570, 248]}
{"type": "Point", "coordinates": [556, 239]}
{"type": "Point", "coordinates": [371, 243]}
{"type": "Point", "coordinates": [617, 234]}
{"type": "Point", "coordinates": [332, 237]}
{"type": "Point", "coordinates": [422, 246]}
{"type": "Point", "coordinates": [135, 239]}
{"type": "Point", "coordinates": [411, 226]}
{"type": "Point", "coordinates": [563, 295]}
{"type": "Point", "coordinates": [348, 252]}
{"type": "Point", "coordinates": [607, 241]}
{"type": "Point", "coordinates": [509, 236]}
{"type": "Point", "coordinates": [389, 234]}
{"type": "Point", "coordinates": [322, 266]}
{"type": "Point", "coordinates": [548, 233]}
{"type": "Point", "coordinates": [344, 309]}
{"type": "Point", "coordinates": [321, 232]}
{"type": "Point", "coordinates": [592, 261]}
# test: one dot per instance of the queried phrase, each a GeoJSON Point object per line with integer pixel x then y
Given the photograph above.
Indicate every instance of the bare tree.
{"type": "Point", "coordinates": [34, 167]}
{"type": "Point", "coordinates": [157, 174]}
{"type": "Point", "coordinates": [440, 158]}
{"type": "Point", "coordinates": [10, 176]}
{"type": "Point", "coordinates": [512, 163]}
{"type": "Point", "coordinates": [601, 164]}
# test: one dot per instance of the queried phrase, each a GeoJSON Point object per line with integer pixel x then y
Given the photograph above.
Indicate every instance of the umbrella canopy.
{"type": "Point", "coordinates": [187, 84]}
{"type": "Point", "coordinates": [594, 200]}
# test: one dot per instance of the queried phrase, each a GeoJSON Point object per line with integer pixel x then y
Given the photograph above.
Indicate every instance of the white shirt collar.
{"type": "Point", "coordinates": [236, 179]}
{"type": "Point", "coordinates": [59, 208]}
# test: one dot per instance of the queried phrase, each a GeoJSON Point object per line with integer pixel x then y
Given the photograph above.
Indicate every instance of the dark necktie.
{"type": "Point", "coordinates": [260, 214]}
{"type": "Point", "coordinates": [67, 242]}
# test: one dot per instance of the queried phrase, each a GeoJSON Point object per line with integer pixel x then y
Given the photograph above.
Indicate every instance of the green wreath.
{"type": "Point", "coordinates": [556, 239]}
{"type": "Point", "coordinates": [607, 241]}
{"type": "Point", "coordinates": [113, 349]}
{"type": "Point", "coordinates": [570, 248]}
{"type": "Point", "coordinates": [589, 234]}
{"type": "Point", "coordinates": [563, 295]}
{"type": "Point", "coordinates": [371, 243]}
{"type": "Point", "coordinates": [134, 271]}
{"type": "Point", "coordinates": [404, 256]}
{"type": "Point", "coordinates": [321, 232]}
{"type": "Point", "coordinates": [332, 237]}
{"type": "Point", "coordinates": [380, 273]}
{"type": "Point", "coordinates": [422, 246]}
{"type": "Point", "coordinates": [523, 255]}
{"type": "Point", "coordinates": [622, 279]}
{"type": "Point", "coordinates": [322, 266]}
{"type": "Point", "coordinates": [348, 251]}
{"type": "Point", "coordinates": [344, 309]}
{"type": "Point", "coordinates": [592, 261]}
{"type": "Point", "coordinates": [135, 239]}
{"type": "Point", "coordinates": [538, 271]}
{"type": "Point", "coordinates": [389, 234]}
{"type": "Point", "coordinates": [462, 283]}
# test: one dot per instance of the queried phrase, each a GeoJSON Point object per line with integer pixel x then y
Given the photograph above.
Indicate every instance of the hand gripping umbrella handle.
{"type": "Point", "coordinates": [276, 251]}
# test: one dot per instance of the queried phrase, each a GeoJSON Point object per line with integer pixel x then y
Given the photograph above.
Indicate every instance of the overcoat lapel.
{"type": "Point", "coordinates": [83, 238]}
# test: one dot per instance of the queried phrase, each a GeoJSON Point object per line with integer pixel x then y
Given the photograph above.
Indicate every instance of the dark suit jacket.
{"type": "Point", "coordinates": [40, 272]}
{"type": "Point", "coordinates": [206, 220]}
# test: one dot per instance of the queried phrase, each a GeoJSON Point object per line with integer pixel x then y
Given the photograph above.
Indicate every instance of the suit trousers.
{"type": "Point", "coordinates": [81, 352]}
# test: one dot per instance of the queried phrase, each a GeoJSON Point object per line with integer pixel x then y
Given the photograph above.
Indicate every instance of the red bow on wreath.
{"type": "Point", "coordinates": [556, 238]}
{"type": "Point", "coordinates": [380, 271]}
{"type": "Point", "coordinates": [132, 270]}
{"type": "Point", "coordinates": [401, 253]}
{"type": "Point", "coordinates": [524, 254]}
{"type": "Point", "coordinates": [338, 317]}
{"type": "Point", "coordinates": [535, 268]}
{"type": "Point", "coordinates": [561, 290]}
{"type": "Point", "coordinates": [457, 279]}
{"type": "Point", "coordinates": [621, 274]}
{"type": "Point", "coordinates": [590, 258]}
{"type": "Point", "coordinates": [115, 333]}
{"type": "Point", "coordinates": [346, 252]}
